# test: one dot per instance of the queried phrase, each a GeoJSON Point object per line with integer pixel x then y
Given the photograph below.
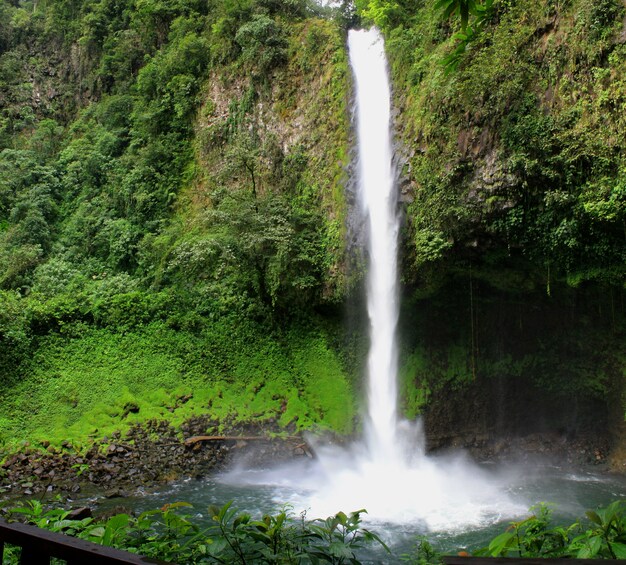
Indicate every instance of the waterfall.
{"type": "Point", "coordinates": [388, 473]}
{"type": "Point", "coordinates": [376, 182]}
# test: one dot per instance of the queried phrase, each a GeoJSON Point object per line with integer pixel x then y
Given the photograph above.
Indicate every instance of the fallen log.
{"type": "Point", "coordinates": [305, 447]}
{"type": "Point", "coordinates": [195, 439]}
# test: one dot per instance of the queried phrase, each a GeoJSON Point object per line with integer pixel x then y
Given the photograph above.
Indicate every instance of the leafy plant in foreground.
{"type": "Point", "coordinates": [232, 537]}
{"type": "Point", "coordinates": [423, 553]}
{"type": "Point", "coordinates": [531, 537]}
{"type": "Point", "coordinates": [607, 535]}
{"type": "Point", "coordinates": [605, 538]}
{"type": "Point", "coordinates": [339, 536]}
{"type": "Point", "coordinates": [237, 537]}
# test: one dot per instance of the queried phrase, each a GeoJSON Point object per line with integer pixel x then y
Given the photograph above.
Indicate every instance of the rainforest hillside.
{"type": "Point", "coordinates": [179, 234]}
{"type": "Point", "coordinates": [172, 212]}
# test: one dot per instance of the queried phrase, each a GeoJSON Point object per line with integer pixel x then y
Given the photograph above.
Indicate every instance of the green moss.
{"type": "Point", "coordinates": [329, 396]}
{"type": "Point", "coordinates": [82, 387]}
{"type": "Point", "coordinates": [414, 388]}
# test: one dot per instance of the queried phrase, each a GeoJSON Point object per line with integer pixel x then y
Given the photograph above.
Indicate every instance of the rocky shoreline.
{"type": "Point", "coordinates": [155, 453]}
{"type": "Point", "coordinates": [146, 456]}
{"type": "Point", "coordinates": [581, 452]}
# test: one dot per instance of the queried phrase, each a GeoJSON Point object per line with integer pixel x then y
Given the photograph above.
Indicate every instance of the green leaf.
{"type": "Point", "coordinates": [224, 510]}
{"type": "Point", "coordinates": [593, 516]}
{"type": "Point", "coordinates": [113, 526]}
{"type": "Point", "coordinates": [216, 546]}
{"type": "Point", "coordinates": [260, 536]}
{"type": "Point", "coordinates": [501, 543]}
{"type": "Point", "coordinates": [61, 525]}
{"type": "Point", "coordinates": [241, 519]}
{"type": "Point", "coordinates": [619, 549]}
{"type": "Point", "coordinates": [118, 521]}
{"type": "Point", "coordinates": [97, 532]}
{"type": "Point", "coordinates": [262, 526]}
{"type": "Point", "coordinates": [144, 515]}
{"type": "Point", "coordinates": [339, 549]}
{"type": "Point", "coordinates": [23, 510]}
{"type": "Point", "coordinates": [591, 549]}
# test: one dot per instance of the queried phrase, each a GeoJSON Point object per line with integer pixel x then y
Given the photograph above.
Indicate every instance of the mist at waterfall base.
{"type": "Point", "coordinates": [300, 484]}
{"type": "Point", "coordinates": [386, 473]}
{"type": "Point", "coordinates": [426, 494]}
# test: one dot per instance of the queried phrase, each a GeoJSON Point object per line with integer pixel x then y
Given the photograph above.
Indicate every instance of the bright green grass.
{"type": "Point", "coordinates": [81, 388]}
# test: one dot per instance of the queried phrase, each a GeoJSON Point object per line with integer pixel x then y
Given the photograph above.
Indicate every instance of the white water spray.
{"type": "Point", "coordinates": [389, 473]}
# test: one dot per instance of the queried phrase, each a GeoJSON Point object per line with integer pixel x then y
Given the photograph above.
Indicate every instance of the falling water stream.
{"type": "Point", "coordinates": [376, 189]}
{"type": "Point", "coordinates": [388, 472]}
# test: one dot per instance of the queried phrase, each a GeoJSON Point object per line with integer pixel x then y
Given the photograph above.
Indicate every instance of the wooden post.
{"type": "Point", "coordinates": [33, 555]}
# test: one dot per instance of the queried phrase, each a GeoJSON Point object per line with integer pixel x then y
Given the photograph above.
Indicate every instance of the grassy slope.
{"type": "Point", "coordinates": [83, 387]}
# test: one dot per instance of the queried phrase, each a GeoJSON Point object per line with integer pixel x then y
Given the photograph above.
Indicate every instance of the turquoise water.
{"type": "Point", "coordinates": [570, 494]}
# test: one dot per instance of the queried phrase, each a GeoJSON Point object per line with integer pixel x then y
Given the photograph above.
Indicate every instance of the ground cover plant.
{"type": "Point", "coordinates": [238, 537]}
{"type": "Point", "coordinates": [232, 537]}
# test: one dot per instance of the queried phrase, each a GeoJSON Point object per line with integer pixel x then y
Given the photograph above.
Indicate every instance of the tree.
{"type": "Point", "coordinates": [243, 155]}
{"type": "Point", "coordinates": [263, 43]}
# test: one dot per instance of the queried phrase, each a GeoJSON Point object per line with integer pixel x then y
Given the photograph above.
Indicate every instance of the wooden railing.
{"type": "Point", "coordinates": [38, 546]}
{"type": "Point", "coordinates": [458, 560]}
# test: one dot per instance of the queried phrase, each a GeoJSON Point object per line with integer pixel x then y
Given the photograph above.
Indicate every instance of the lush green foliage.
{"type": "Point", "coordinates": [516, 158]}
{"type": "Point", "coordinates": [604, 537]}
{"type": "Point", "coordinates": [601, 535]}
{"type": "Point", "coordinates": [78, 387]}
{"type": "Point", "coordinates": [233, 537]}
{"type": "Point", "coordinates": [159, 236]}
{"type": "Point", "coordinates": [172, 208]}
{"type": "Point", "coordinates": [514, 166]}
{"type": "Point", "coordinates": [239, 537]}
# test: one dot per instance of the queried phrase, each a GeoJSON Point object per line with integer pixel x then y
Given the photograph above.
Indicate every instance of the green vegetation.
{"type": "Point", "coordinates": [81, 387]}
{"type": "Point", "coordinates": [233, 537]}
{"type": "Point", "coordinates": [238, 537]}
{"type": "Point", "coordinates": [516, 157]}
{"type": "Point", "coordinates": [171, 216]}
{"type": "Point", "coordinates": [600, 535]}
{"type": "Point", "coordinates": [604, 537]}
{"type": "Point", "coordinates": [511, 118]}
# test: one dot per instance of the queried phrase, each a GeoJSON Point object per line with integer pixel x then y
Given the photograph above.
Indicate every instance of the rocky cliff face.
{"type": "Point", "coordinates": [514, 183]}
